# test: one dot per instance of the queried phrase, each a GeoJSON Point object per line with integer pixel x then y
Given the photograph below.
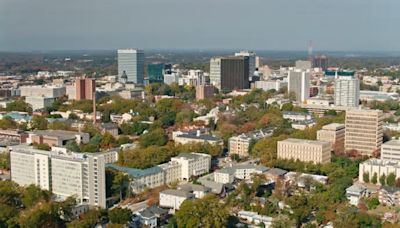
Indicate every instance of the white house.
{"type": "Point", "coordinates": [355, 192]}
{"type": "Point", "coordinates": [172, 198]}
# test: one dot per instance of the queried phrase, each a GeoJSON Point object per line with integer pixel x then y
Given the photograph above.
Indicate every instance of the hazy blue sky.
{"type": "Point", "coordinates": [360, 25]}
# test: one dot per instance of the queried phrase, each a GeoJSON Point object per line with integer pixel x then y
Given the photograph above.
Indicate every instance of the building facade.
{"type": "Point", "coordinates": [333, 133]}
{"type": "Point", "coordinates": [63, 173]}
{"type": "Point", "coordinates": [85, 88]}
{"type": "Point", "coordinates": [193, 164]}
{"type": "Point", "coordinates": [305, 150]}
{"type": "Point", "coordinates": [131, 63]}
{"type": "Point", "coordinates": [347, 92]}
{"type": "Point", "coordinates": [252, 60]}
{"type": "Point", "coordinates": [377, 167]}
{"type": "Point", "coordinates": [364, 131]}
{"type": "Point", "coordinates": [299, 85]}
{"type": "Point", "coordinates": [390, 150]}
{"type": "Point", "coordinates": [204, 92]}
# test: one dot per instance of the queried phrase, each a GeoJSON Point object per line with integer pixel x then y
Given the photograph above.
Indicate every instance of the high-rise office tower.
{"type": "Point", "coordinates": [364, 131]}
{"type": "Point", "coordinates": [303, 64]}
{"type": "Point", "coordinates": [347, 92]}
{"type": "Point", "coordinates": [235, 73]}
{"type": "Point", "coordinates": [252, 60]}
{"type": "Point", "coordinates": [131, 61]}
{"type": "Point", "coordinates": [299, 84]}
{"type": "Point", "coordinates": [320, 61]}
{"type": "Point", "coordinates": [215, 72]}
{"type": "Point", "coordinates": [228, 73]}
{"type": "Point", "coordinates": [85, 88]}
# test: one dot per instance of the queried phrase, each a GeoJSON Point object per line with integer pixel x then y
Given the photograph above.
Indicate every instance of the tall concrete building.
{"type": "Point", "coordinates": [347, 92]}
{"type": "Point", "coordinates": [215, 72]}
{"type": "Point", "coordinates": [230, 73]}
{"type": "Point", "coordinates": [63, 173]}
{"type": "Point", "coordinates": [303, 64]}
{"type": "Point", "coordinates": [320, 61]}
{"type": "Point", "coordinates": [364, 130]}
{"type": "Point", "coordinates": [85, 88]}
{"type": "Point", "coordinates": [252, 60]}
{"type": "Point", "coordinates": [299, 84]}
{"type": "Point", "coordinates": [204, 91]}
{"type": "Point", "coordinates": [131, 63]}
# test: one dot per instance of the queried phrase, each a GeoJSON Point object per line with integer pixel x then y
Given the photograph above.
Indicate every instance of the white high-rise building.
{"type": "Point", "coordinates": [131, 61]}
{"type": "Point", "coordinates": [63, 173]}
{"type": "Point", "coordinates": [299, 84]}
{"type": "Point", "coordinates": [215, 72]}
{"type": "Point", "coordinates": [252, 60]}
{"type": "Point", "coordinates": [347, 92]}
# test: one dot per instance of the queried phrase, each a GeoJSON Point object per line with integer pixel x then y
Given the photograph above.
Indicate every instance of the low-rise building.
{"type": "Point", "coordinates": [38, 103]}
{"type": "Point", "coordinates": [355, 192]}
{"type": "Point", "coordinates": [57, 137]}
{"type": "Point", "coordinates": [389, 196]}
{"type": "Point", "coordinates": [241, 172]}
{"type": "Point", "coordinates": [305, 150]}
{"type": "Point", "coordinates": [333, 133]}
{"type": "Point", "coordinates": [378, 167]}
{"type": "Point", "coordinates": [304, 179]}
{"type": "Point", "coordinates": [199, 191]}
{"type": "Point", "coordinates": [297, 116]}
{"type": "Point", "coordinates": [193, 164]}
{"type": "Point", "coordinates": [302, 125]}
{"type": "Point", "coordinates": [172, 198]}
{"type": "Point", "coordinates": [254, 217]}
{"type": "Point", "coordinates": [195, 137]}
{"type": "Point", "coordinates": [240, 144]}
{"type": "Point", "coordinates": [390, 150]}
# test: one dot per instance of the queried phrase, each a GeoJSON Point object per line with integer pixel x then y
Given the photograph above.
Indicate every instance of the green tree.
{"type": "Point", "coordinates": [32, 195]}
{"type": "Point", "coordinates": [42, 146]}
{"type": "Point", "coordinates": [382, 179]}
{"type": "Point", "coordinates": [107, 141]}
{"type": "Point", "coordinates": [371, 202]}
{"type": "Point", "coordinates": [391, 179]}
{"type": "Point", "coordinates": [374, 179]}
{"type": "Point", "coordinates": [19, 106]}
{"type": "Point", "coordinates": [366, 177]}
{"type": "Point", "coordinates": [120, 215]}
{"type": "Point", "coordinates": [155, 137]}
{"type": "Point", "coordinates": [206, 212]}
{"type": "Point", "coordinates": [39, 122]}
{"type": "Point", "coordinates": [7, 123]}
{"type": "Point", "coordinates": [120, 184]}
{"type": "Point", "coordinates": [71, 145]}
{"type": "Point", "coordinates": [89, 219]}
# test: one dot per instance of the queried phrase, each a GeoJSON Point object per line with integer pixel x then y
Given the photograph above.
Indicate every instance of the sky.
{"type": "Point", "coordinates": [332, 25]}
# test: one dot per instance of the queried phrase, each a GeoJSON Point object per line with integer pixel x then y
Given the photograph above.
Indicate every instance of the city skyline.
{"type": "Point", "coordinates": [177, 24]}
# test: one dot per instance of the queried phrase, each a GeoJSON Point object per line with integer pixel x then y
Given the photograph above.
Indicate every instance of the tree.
{"type": "Point", "coordinates": [120, 183]}
{"type": "Point", "coordinates": [374, 179]}
{"type": "Point", "coordinates": [366, 177]}
{"type": "Point", "coordinates": [39, 122]}
{"type": "Point", "coordinates": [7, 123]}
{"type": "Point", "coordinates": [32, 195]}
{"type": "Point", "coordinates": [371, 203]}
{"type": "Point", "coordinates": [120, 215]}
{"type": "Point", "coordinates": [107, 141]}
{"type": "Point", "coordinates": [154, 137]}
{"type": "Point", "coordinates": [71, 145]}
{"type": "Point", "coordinates": [89, 219]}
{"type": "Point", "coordinates": [382, 179]}
{"type": "Point", "coordinates": [19, 106]}
{"type": "Point", "coordinates": [391, 179]}
{"type": "Point", "coordinates": [42, 146]}
{"type": "Point", "coordinates": [206, 212]}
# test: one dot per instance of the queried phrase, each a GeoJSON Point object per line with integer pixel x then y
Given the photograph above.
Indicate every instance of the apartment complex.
{"type": "Point", "coordinates": [181, 167]}
{"type": "Point", "coordinates": [347, 92]}
{"type": "Point", "coordinates": [390, 150]}
{"type": "Point", "coordinates": [131, 65]}
{"type": "Point", "coordinates": [389, 196]}
{"type": "Point", "coordinates": [364, 131]}
{"type": "Point", "coordinates": [240, 144]}
{"type": "Point", "coordinates": [333, 133]}
{"type": "Point", "coordinates": [305, 150]}
{"type": "Point", "coordinates": [299, 85]}
{"type": "Point", "coordinates": [63, 173]}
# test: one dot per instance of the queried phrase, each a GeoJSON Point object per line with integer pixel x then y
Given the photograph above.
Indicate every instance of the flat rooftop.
{"type": "Point", "coordinates": [393, 142]}
{"type": "Point", "coordinates": [333, 126]}
{"type": "Point", "coordinates": [64, 135]}
{"type": "Point", "coordinates": [304, 141]}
